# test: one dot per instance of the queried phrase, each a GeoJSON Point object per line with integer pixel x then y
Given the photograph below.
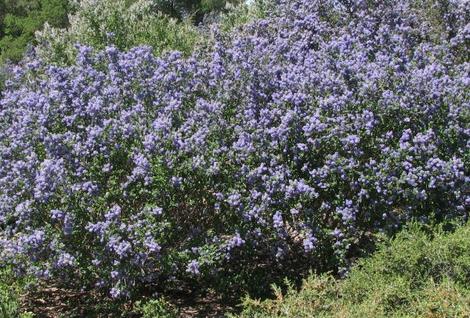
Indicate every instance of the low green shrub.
{"type": "Point", "coordinates": [10, 290]}
{"type": "Point", "coordinates": [417, 274]}
{"type": "Point", "coordinates": [156, 308]}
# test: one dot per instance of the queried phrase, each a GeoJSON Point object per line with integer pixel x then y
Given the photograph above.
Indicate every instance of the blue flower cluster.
{"type": "Point", "coordinates": [298, 134]}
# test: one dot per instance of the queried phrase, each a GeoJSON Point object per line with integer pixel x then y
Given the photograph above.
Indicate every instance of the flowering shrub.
{"type": "Point", "coordinates": [290, 141]}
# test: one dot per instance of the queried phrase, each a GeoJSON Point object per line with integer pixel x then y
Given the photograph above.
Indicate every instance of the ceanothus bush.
{"type": "Point", "coordinates": [290, 141]}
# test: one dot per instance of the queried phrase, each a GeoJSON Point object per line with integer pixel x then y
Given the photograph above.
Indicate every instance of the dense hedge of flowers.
{"type": "Point", "coordinates": [291, 140]}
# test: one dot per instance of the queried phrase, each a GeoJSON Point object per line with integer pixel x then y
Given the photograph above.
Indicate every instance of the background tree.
{"type": "Point", "coordinates": [121, 23]}
{"type": "Point", "coordinates": [194, 8]}
{"type": "Point", "coordinates": [19, 19]}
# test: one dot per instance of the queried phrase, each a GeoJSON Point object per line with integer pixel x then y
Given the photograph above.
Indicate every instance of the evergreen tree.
{"type": "Point", "coordinates": [19, 19]}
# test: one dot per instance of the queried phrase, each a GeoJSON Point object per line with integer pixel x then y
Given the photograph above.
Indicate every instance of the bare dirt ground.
{"type": "Point", "coordinates": [54, 302]}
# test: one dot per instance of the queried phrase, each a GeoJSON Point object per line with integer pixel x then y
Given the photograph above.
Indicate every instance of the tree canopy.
{"type": "Point", "coordinates": [19, 19]}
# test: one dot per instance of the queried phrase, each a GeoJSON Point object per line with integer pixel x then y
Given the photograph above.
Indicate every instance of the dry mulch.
{"type": "Point", "coordinates": [49, 301]}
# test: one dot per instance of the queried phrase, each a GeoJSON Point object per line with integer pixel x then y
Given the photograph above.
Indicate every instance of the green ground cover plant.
{"type": "Point", "coordinates": [419, 273]}
{"type": "Point", "coordinates": [11, 289]}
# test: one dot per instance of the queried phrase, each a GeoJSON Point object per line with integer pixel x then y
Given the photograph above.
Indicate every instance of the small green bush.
{"type": "Point", "coordinates": [414, 275]}
{"type": "Point", "coordinates": [156, 308]}
{"type": "Point", "coordinates": [10, 289]}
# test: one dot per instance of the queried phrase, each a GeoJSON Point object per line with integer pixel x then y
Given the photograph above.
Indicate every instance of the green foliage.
{"type": "Point", "coordinates": [414, 275]}
{"type": "Point", "coordinates": [20, 19]}
{"type": "Point", "coordinates": [245, 13]}
{"type": "Point", "coordinates": [156, 308]}
{"type": "Point", "coordinates": [120, 23]}
{"type": "Point", "coordinates": [195, 9]}
{"type": "Point", "coordinates": [10, 289]}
